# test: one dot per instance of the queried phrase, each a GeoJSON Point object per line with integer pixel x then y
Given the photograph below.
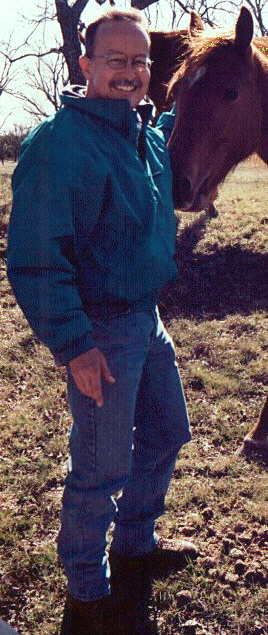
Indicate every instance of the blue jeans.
{"type": "Point", "coordinates": [130, 445]}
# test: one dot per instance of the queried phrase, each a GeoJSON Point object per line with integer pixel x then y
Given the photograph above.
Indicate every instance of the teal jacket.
{"type": "Point", "coordinates": [92, 220]}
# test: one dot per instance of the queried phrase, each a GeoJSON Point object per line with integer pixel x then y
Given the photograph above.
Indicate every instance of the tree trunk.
{"type": "Point", "coordinates": [68, 18]}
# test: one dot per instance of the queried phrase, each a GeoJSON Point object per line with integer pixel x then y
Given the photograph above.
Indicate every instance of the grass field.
{"type": "Point", "coordinates": [217, 315]}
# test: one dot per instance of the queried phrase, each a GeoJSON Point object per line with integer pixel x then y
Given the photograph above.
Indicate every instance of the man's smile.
{"type": "Point", "coordinates": [125, 85]}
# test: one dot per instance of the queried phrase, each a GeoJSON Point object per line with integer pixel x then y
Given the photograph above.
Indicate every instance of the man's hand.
{"type": "Point", "coordinates": [88, 370]}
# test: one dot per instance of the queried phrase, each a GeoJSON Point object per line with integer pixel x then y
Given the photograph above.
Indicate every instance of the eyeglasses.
{"type": "Point", "coordinates": [117, 61]}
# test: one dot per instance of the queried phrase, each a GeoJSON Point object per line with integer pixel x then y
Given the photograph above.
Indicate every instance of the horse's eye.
{"type": "Point", "coordinates": [231, 94]}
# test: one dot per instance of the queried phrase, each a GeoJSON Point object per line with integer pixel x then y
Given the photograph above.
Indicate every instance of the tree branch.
{"type": "Point", "coordinates": [78, 8]}
{"type": "Point", "coordinates": [38, 55]}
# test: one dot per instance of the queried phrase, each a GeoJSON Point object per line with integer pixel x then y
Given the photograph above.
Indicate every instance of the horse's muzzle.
{"type": "Point", "coordinates": [188, 198]}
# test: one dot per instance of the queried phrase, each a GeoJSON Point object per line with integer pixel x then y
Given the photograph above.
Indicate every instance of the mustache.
{"type": "Point", "coordinates": [134, 83]}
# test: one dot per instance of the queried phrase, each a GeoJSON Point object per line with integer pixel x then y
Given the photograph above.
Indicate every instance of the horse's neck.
{"type": "Point", "coordinates": [262, 44]}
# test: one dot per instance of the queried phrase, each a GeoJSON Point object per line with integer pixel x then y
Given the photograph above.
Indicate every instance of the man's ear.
{"type": "Point", "coordinates": [85, 65]}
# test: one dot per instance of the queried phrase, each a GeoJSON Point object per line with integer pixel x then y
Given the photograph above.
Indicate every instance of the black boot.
{"type": "Point", "coordinates": [87, 618]}
{"type": "Point", "coordinates": [131, 590]}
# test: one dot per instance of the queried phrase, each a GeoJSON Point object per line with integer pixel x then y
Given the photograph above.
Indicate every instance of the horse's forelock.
{"type": "Point", "coordinates": [201, 47]}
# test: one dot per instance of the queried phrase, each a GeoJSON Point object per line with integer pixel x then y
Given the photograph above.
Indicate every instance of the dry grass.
{"type": "Point", "coordinates": [217, 315]}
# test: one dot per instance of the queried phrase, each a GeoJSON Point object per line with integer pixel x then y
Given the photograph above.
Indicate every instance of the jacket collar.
{"type": "Point", "coordinates": [117, 112]}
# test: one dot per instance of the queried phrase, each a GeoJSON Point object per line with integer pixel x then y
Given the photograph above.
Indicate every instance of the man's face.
{"type": "Point", "coordinates": [129, 39]}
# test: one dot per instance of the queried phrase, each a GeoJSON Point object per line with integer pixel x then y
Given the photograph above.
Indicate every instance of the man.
{"type": "Point", "coordinates": [91, 243]}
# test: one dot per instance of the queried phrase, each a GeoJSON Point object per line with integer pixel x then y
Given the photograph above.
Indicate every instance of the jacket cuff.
{"type": "Point", "coordinates": [75, 348]}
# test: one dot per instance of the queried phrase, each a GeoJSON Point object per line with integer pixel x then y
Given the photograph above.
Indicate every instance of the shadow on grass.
{"type": "Point", "coordinates": [254, 453]}
{"type": "Point", "coordinates": [228, 281]}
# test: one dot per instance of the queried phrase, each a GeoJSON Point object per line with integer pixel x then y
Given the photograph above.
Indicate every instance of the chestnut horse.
{"type": "Point", "coordinates": [221, 94]}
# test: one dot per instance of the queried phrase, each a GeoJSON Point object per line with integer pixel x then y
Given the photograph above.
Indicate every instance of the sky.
{"type": "Point", "coordinates": [14, 24]}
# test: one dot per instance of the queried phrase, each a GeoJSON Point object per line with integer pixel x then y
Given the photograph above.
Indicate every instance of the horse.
{"type": "Point", "coordinates": [220, 89]}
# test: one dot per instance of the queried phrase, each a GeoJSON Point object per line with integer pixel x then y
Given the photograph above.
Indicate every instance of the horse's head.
{"type": "Point", "coordinates": [218, 108]}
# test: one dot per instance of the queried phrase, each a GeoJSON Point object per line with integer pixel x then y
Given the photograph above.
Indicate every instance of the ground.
{"type": "Point", "coordinates": [217, 315]}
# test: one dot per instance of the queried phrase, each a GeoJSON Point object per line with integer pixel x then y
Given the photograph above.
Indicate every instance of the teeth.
{"type": "Point", "coordinates": [127, 88]}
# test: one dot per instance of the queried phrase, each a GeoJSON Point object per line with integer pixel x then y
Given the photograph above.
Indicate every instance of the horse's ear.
{"type": "Point", "coordinates": [196, 24]}
{"type": "Point", "coordinates": [244, 29]}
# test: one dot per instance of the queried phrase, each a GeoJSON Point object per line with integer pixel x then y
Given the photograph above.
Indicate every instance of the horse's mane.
{"type": "Point", "coordinates": [202, 45]}
{"type": "Point", "coordinates": [260, 44]}
{"type": "Point", "coordinates": [200, 48]}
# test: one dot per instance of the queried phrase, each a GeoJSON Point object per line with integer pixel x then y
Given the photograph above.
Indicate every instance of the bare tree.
{"type": "Point", "coordinates": [259, 9]}
{"type": "Point", "coordinates": [67, 16]}
{"type": "Point", "coordinates": [45, 82]}
{"type": "Point", "coordinates": [10, 143]}
{"type": "Point", "coordinates": [45, 69]}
